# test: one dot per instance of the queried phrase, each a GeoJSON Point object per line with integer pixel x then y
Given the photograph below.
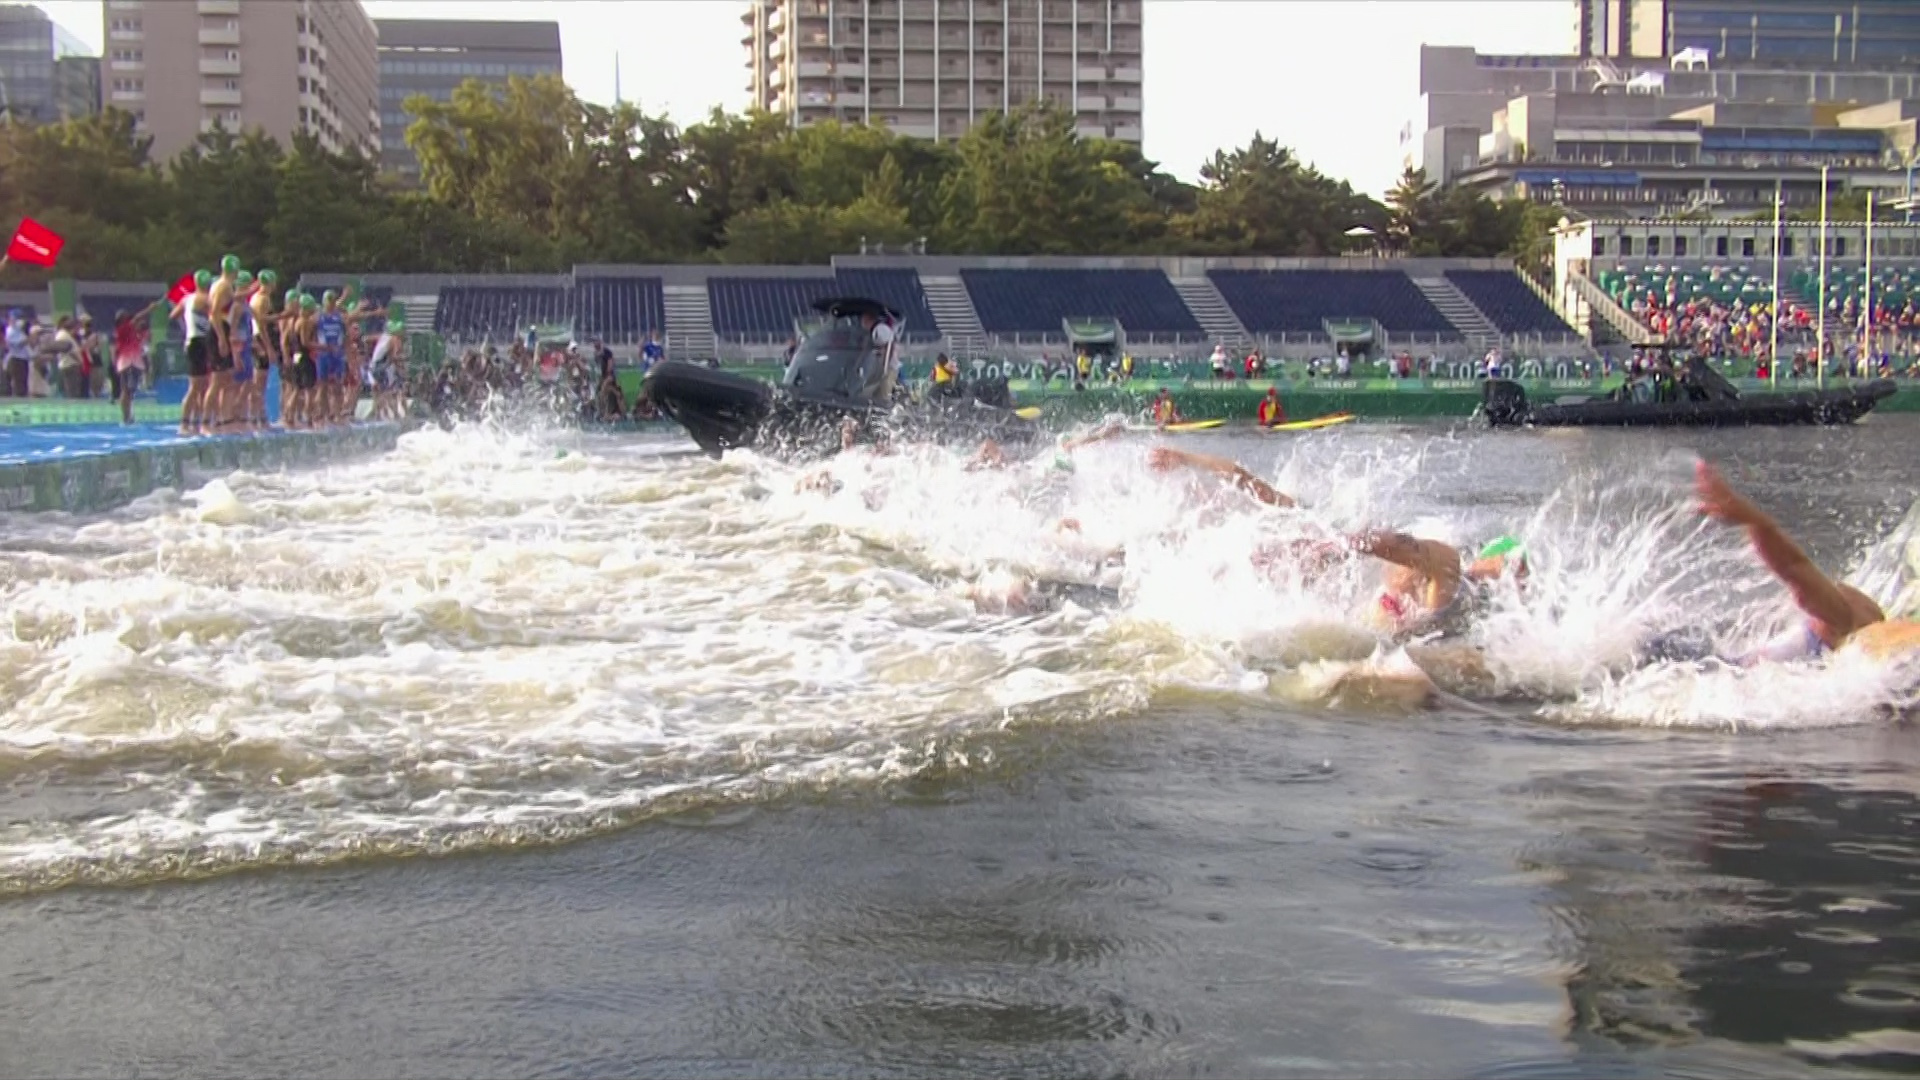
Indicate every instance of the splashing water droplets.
{"type": "Point", "coordinates": [474, 641]}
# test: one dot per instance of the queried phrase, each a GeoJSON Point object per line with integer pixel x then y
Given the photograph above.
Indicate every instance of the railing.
{"type": "Point", "coordinates": [1610, 310]}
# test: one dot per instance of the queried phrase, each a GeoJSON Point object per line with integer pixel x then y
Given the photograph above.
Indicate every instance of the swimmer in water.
{"type": "Point", "coordinates": [993, 456]}
{"type": "Point", "coordinates": [1167, 458]}
{"type": "Point", "coordinates": [1838, 616]}
{"type": "Point", "coordinates": [1428, 597]}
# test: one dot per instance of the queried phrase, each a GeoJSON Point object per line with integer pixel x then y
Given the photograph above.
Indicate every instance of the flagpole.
{"type": "Point", "coordinates": [1820, 324]}
{"type": "Point", "coordinates": [1773, 339]}
{"type": "Point", "coordinates": [1866, 306]}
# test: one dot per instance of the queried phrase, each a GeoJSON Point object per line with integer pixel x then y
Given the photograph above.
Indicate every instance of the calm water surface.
{"type": "Point", "coordinates": [476, 760]}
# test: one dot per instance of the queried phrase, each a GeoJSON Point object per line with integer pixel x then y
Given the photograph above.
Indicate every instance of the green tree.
{"type": "Point", "coordinates": [1026, 184]}
{"type": "Point", "coordinates": [1413, 213]}
{"type": "Point", "coordinates": [330, 212]}
{"type": "Point", "coordinates": [1260, 200]}
{"type": "Point", "coordinates": [730, 164]}
{"type": "Point", "coordinates": [226, 186]}
{"type": "Point", "coordinates": [89, 179]}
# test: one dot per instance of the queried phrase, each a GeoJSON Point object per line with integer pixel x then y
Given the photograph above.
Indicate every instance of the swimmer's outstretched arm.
{"type": "Point", "coordinates": [1837, 609]}
{"type": "Point", "coordinates": [1165, 458]}
{"type": "Point", "coordinates": [1099, 434]}
{"type": "Point", "coordinates": [1435, 560]}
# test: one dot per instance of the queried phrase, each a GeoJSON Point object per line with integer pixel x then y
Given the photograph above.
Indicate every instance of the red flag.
{"type": "Point", "coordinates": [181, 289]}
{"type": "Point", "coordinates": [35, 244]}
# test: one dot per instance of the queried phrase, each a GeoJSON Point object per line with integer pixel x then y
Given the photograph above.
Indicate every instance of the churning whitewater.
{"type": "Point", "coordinates": [487, 639]}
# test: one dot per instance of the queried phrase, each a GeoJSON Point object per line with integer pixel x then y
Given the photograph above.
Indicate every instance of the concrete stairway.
{"type": "Point", "coordinates": [420, 311]}
{"type": "Point", "coordinates": [1212, 312]}
{"type": "Point", "coordinates": [953, 310]}
{"type": "Point", "coordinates": [689, 323]}
{"type": "Point", "coordinates": [1452, 303]}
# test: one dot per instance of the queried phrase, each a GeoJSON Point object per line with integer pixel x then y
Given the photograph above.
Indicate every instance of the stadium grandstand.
{"type": "Point", "coordinates": [989, 306]}
{"type": "Point", "coordinates": [1710, 284]}
{"type": "Point", "coordinates": [1168, 308]}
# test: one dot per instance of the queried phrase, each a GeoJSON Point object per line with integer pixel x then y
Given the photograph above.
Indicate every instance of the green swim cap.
{"type": "Point", "coordinates": [293, 294]}
{"type": "Point", "coordinates": [243, 278]}
{"type": "Point", "coordinates": [1063, 463]}
{"type": "Point", "coordinates": [202, 278]}
{"type": "Point", "coordinates": [268, 277]}
{"type": "Point", "coordinates": [308, 303]}
{"type": "Point", "coordinates": [230, 264]}
{"type": "Point", "coordinates": [1505, 546]}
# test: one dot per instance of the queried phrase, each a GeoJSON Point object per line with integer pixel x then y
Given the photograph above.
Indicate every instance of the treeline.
{"type": "Point", "coordinates": [528, 178]}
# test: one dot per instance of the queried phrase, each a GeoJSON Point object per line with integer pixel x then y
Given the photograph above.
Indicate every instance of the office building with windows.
{"type": "Point", "coordinates": [1833, 33]}
{"type": "Point", "coordinates": [1640, 138]}
{"type": "Point", "coordinates": [432, 57]}
{"type": "Point", "coordinates": [930, 68]}
{"type": "Point", "coordinates": [278, 66]}
{"type": "Point", "coordinates": [46, 74]}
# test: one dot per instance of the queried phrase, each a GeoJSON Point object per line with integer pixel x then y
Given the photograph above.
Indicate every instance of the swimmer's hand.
{"type": "Point", "coordinates": [1719, 501]}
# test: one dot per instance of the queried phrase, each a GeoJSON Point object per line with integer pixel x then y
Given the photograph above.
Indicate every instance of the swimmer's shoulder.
{"type": "Point", "coordinates": [1889, 639]}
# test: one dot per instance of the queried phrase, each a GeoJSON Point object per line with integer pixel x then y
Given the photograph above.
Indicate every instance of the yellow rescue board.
{"type": "Point", "coordinates": [1314, 424]}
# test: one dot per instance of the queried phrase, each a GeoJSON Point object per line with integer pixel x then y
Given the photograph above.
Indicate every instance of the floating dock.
{"type": "Point", "coordinates": [79, 467]}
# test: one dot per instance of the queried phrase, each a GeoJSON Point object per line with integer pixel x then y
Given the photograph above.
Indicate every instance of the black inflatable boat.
{"type": "Point", "coordinates": [1698, 396]}
{"type": "Point", "coordinates": [845, 368]}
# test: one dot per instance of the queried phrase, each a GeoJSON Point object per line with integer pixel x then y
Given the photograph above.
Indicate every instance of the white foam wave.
{"type": "Point", "coordinates": [495, 637]}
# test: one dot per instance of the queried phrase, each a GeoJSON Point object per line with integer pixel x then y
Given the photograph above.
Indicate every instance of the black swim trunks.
{"type": "Point", "coordinates": [306, 375]}
{"type": "Point", "coordinates": [197, 351]}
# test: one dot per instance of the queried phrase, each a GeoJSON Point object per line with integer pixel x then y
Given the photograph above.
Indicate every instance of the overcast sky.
{"type": "Point", "coordinates": [1335, 80]}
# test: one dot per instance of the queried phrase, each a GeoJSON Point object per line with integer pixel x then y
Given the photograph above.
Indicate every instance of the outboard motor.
{"type": "Point", "coordinates": [992, 392]}
{"type": "Point", "coordinates": [1706, 384]}
{"type": "Point", "coordinates": [1504, 402]}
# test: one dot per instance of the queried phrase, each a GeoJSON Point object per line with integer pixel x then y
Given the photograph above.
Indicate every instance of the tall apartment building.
{"type": "Point", "coordinates": [432, 57]}
{"type": "Point", "coordinates": [930, 68]}
{"type": "Point", "coordinates": [1790, 32]}
{"type": "Point", "coordinates": [280, 66]}
{"type": "Point", "coordinates": [46, 74]}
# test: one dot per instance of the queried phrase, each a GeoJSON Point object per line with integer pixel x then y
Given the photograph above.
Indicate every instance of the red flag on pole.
{"type": "Point", "coordinates": [35, 244]}
{"type": "Point", "coordinates": [181, 289]}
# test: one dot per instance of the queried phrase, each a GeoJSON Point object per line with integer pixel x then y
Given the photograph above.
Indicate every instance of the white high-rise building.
{"type": "Point", "coordinates": [281, 66]}
{"type": "Point", "coordinates": [930, 68]}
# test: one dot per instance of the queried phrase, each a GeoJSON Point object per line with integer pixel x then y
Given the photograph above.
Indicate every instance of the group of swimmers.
{"type": "Point", "coordinates": [1430, 592]}
{"type": "Point", "coordinates": [239, 327]}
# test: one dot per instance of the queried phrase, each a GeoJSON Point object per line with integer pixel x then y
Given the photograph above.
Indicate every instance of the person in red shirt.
{"type": "Point", "coordinates": [1164, 410]}
{"type": "Point", "coordinates": [130, 355]}
{"type": "Point", "coordinates": [1271, 411]}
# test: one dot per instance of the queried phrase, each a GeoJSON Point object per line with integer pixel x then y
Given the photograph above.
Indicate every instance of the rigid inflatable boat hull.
{"type": "Point", "coordinates": [1506, 405]}
{"type": "Point", "coordinates": [722, 412]}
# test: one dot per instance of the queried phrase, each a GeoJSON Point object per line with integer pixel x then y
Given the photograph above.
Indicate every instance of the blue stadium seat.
{"type": "Point", "coordinates": [502, 312]}
{"type": "Point", "coordinates": [1036, 301]}
{"type": "Point", "coordinates": [899, 290]}
{"type": "Point", "coordinates": [1300, 301]}
{"type": "Point", "coordinates": [763, 307]}
{"type": "Point", "coordinates": [620, 310]}
{"type": "Point", "coordinates": [1504, 299]}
